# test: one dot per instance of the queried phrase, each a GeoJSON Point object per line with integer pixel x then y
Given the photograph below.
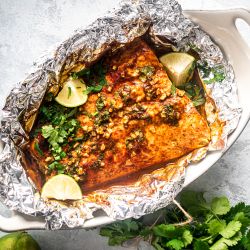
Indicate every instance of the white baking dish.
{"type": "Point", "coordinates": [220, 25]}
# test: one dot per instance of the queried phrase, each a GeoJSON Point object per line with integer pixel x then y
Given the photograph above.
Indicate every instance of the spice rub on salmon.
{"type": "Point", "coordinates": [136, 121]}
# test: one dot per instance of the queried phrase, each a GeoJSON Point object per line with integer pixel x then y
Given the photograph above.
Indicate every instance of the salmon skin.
{"type": "Point", "coordinates": [136, 122]}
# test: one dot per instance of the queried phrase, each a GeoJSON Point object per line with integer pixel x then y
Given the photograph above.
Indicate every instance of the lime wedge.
{"type": "Point", "coordinates": [179, 66]}
{"type": "Point", "coordinates": [72, 94]}
{"type": "Point", "coordinates": [61, 187]}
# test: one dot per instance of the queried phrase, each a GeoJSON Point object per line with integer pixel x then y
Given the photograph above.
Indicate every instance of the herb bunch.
{"type": "Point", "coordinates": [58, 125]}
{"type": "Point", "coordinates": [215, 226]}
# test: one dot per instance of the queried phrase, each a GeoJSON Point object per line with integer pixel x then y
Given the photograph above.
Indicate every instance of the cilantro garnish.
{"type": "Point", "coordinates": [93, 77]}
{"type": "Point", "coordinates": [69, 92]}
{"type": "Point", "coordinates": [58, 135]}
{"type": "Point", "coordinates": [195, 93]}
{"type": "Point", "coordinates": [57, 166]}
{"type": "Point", "coordinates": [215, 226]}
{"type": "Point", "coordinates": [57, 126]}
{"type": "Point", "coordinates": [211, 74]}
{"type": "Point", "coordinates": [37, 148]}
{"type": "Point", "coordinates": [173, 89]}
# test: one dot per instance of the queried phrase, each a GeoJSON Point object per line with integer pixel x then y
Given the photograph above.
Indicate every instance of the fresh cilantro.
{"type": "Point", "coordinates": [231, 229]}
{"type": "Point", "coordinates": [195, 93]}
{"type": "Point", "coordinates": [173, 89]}
{"type": "Point", "coordinates": [93, 89]}
{"type": "Point", "coordinates": [100, 103]}
{"type": "Point", "coordinates": [81, 73]}
{"type": "Point", "coordinates": [201, 245]}
{"type": "Point", "coordinates": [93, 77]}
{"type": "Point", "coordinates": [58, 135]}
{"type": "Point", "coordinates": [69, 92]}
{"type": "Point", "coordinates": [55, 113]}
{"type": "Point", "coordinates": [215, 226]}
{"type": "Point", "coordinates": [147, 70]}
{"type": "Point", "coordinates": [120, 232]}
{"type": "Point", "coordinates": [60, 168]}
{"type": "Point", "coordinates": [211, 74]}
{"type": "Point", "coordinates": [37, 148]}
{"type": "Point", "coordinates": [245, 241]}
{"type": "Point", "coordinates": [57, 126]}
{"type": "Point", "coordinates": [220, 205]}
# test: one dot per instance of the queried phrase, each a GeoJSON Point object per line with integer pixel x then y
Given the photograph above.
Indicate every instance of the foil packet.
{"type": "Point", "coordinates": [166, 25]}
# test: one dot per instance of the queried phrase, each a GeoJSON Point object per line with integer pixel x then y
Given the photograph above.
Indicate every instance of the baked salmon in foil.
{"type": "Point", "coordinates": [128, 143]}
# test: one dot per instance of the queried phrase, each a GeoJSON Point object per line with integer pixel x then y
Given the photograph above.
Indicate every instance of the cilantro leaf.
{"type": "Point", "coordinates": [194, 202]}
{"type": "Point", "coordinates": [81, 73]}
{"type": "Point", "coordinates": [163, 230]}
{"type": "Point", "coordinates": [231, 229]}
{"type": "Point", "coordinates": [69, 92]}
{"type": "Point", "coordinates": [200, 245]}
{"type": "Point", "coordinates": [246, 241]}
{"type": "Point", "coordinates": [223, 244]}
{"type": "Point", "coordinates": [195, 93]}
{"type": "Point", "coordinates": [173, 89]}
{"type": "Point", "coordinates": [243, 219]}
{"type": "Point", "coordinates": [220, 205]}
{"type": "Point", "coordinates": [212, 74]}
{"type": "Point", "coordinates": [187, 237]}
{"type": "Point", "coordinates": [37, 148]}
{"type": "Point", "coordinates": [215, 226]}
{"type": "Point", "coordinates": [120, 232]}
{"type": "Point", "coordinates": [175, 244]}
{"type": "Point", "coordinates": [93, 77]}
{"type": "Point", "coordinates": [156, 244]}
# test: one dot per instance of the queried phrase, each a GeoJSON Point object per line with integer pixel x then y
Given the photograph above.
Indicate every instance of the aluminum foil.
{"type": "Point", "coordinates": [162, 19]}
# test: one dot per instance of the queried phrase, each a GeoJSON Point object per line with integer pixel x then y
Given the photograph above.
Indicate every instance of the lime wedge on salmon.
{"type": "Point", "coordinates": [179, 67]}
{"type": "Point", "coordinates": [73, 93]}
{"type": "Point", "coordinates": [61, 187]}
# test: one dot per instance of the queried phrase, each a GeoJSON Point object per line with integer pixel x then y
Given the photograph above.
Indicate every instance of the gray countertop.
{"type": "Point", "coordinates": [30, 27]}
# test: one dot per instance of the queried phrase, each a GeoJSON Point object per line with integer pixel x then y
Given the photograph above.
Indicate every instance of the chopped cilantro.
{"type": "Point", "coordinates": [195, 93]}
{"type": "Point", "coordinates": [170, 115]}
{"type": "Point", "coordinates": [147, 70]}
{"type": "Point", "coordinates": [173, 89]}
{"type": "Point", "coordinates": [57, 166]}
{"type": "Point", "coordinates": [211, 74]}
{"type": "Point", "coordinates": [102, 117]}
{"type": "Point", "coordinates": [69, 92]}
{"type": "Point", "coordinates": [100, 103]}
{"type": "Point", "coordinates": [81, 73]}
{"type": "Point", "coordinates": [37, 148]}
{"type": "Point", "coordinates": [62, 126]}
{"type": "Point", "coordinates": [93, 77]}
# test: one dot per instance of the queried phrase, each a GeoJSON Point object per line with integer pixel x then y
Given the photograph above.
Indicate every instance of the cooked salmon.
{"type": "Point", "coordinates": [136, 123]}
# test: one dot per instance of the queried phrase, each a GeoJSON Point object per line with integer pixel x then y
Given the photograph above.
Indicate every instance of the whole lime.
{"type": "Point", "coordinates": [18, 241]}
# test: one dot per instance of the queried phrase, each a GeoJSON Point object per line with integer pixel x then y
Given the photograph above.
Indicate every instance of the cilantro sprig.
{"type": "Point", "coordinates": [93, 77]}
{"type": "Point", "coordinates": [57, 124]}
{"type": "Point", "coordinates": [215, 226]}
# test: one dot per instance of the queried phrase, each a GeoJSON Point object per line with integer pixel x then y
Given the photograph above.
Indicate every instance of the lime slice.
{"type": "Point", "coordinates": [179, 66]}
{"type": "Point", "coordinates": [72, 94]}
{"type": "Point", "coordinates": [61, 187]}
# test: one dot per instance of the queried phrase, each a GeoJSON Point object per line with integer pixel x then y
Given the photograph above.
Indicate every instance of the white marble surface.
{"type": "Point", "coordinates": [30, 27]}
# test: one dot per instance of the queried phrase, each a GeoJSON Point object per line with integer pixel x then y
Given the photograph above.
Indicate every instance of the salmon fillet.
{"type": "Point", "coordinates": [139, 123]}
